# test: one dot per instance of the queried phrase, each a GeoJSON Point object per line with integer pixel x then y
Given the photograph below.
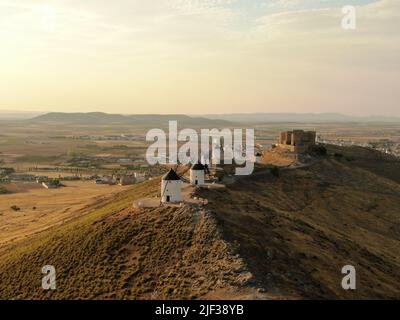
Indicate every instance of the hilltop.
{"type": "Point", "coordinates": [261, 237]}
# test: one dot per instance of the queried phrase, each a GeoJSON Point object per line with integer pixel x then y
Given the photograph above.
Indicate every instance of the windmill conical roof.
{"type": "Point", "coordinates": [171, 175]}
{"type": "Point", "coordinates": [198, 166]}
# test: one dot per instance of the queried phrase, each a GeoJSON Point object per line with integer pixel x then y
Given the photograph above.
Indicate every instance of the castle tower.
{"type": "Point", "coordinates": [171, 188]}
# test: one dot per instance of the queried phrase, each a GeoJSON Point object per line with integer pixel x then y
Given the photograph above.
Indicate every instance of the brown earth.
{"type": "Point", "coordinates": [41, 209]}
{"type": "Point", "coordinates": [296, 232]}
{"type": "Point", "coordinates": [125, 253]}
{"type": "Point", "coordinates": [262, 237]}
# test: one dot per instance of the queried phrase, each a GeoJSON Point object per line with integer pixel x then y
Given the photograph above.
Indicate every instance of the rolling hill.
{"type": "Point", "coordinates": [214, 119]}
{"type": "Point", "coordinates": [100, 118]}
{"type": "Point", "coordinates": [81, 118]}
{"type": "Point", "coordinates": [261, 237]}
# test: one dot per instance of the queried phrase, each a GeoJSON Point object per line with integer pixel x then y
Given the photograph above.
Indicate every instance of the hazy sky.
{"type": "Point", "coordinates": [199, 56]}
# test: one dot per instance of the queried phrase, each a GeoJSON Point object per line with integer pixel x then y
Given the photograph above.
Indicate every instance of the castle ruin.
{"type": "Point", "coordinates": [298, 141]}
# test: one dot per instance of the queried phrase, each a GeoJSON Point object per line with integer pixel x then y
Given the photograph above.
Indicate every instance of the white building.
{"type": "Point", "coordinates": [171, 188]}
{"type": "Point", "coordinates": [197, 174]}
{"type": "Point", "coordinates": [140, 177]}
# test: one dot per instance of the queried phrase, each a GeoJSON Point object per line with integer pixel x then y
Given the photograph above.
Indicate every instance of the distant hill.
{"type": "Point", "coordinates": [101, 118]}
{"type": "Point", "coordinates": [261, 237]}
{"type": "Point", "coordinates": [299, 117]}
{"type": "Point", "coordinates": [10, 115]}
{"type": "Point", "coordinates": [81, 118]}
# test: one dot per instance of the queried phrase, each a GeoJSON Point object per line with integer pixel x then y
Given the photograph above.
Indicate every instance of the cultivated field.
{"type": "Point", "coordinates": [42, 208]}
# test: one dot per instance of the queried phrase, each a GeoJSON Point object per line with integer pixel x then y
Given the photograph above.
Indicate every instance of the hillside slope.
{"type": "Point", "coordinates": [261, 237]}
{"type": "Point", "coordinates": [296, 232]}
{"type": "Point", "coordinates": [117, 252]}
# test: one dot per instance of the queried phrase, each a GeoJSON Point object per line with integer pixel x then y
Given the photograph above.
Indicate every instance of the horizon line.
{"type": "Point", "coordinates": [10, 111]}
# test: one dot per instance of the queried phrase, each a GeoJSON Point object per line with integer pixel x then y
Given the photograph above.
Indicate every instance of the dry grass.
{"type": "Point", "coordinates": [278, 157]}
{"type": "Point", "coordinates": [115, 252]}
{"type": "Point", "coordinates": [297, 231]}
{"type": "Point", "coordinates": [374, 161]}
{"type": "Point", "coordinates": [43, 208]}
{"type": "Point", "coordinates": [3, 190]}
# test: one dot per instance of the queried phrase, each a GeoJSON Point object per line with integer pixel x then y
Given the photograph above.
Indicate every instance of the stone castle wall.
{"type": "Point", "coordinates": [298, 141]}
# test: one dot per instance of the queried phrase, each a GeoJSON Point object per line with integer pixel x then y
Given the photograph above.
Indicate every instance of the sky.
{"type": "Point", "coordinates": [199, 56]}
